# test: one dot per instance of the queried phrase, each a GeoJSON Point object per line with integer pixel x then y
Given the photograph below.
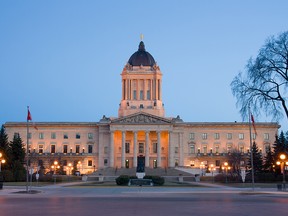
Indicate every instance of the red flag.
{"type": "Point", "coordinates": [29, 117]}
{"type": "Point", "coordinates": [253, 124]}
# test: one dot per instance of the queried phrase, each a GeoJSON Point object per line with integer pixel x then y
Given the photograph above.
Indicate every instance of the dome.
{"type": "Point", "coordinates": [141, 57]}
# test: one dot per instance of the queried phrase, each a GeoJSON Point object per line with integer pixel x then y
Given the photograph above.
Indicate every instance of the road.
{"type": "Point", "coordinates": [150, 201]}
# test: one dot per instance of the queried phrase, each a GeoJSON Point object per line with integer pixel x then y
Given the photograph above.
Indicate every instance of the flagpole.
{"type": "Point", "coordinates": [27, 152]}
{"type": "Point", "coordinates": [251, 151]}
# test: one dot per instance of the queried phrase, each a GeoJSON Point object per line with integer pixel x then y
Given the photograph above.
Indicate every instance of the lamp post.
{"type": "Point", "coordinates": [69, 168]}
{"type": "Point", "coordinates": [79, 165]}
{"type": "Point", "coordinates": [226, 168]}
{"type": "Point", "coordinates": [2, 161]}
{"type": "Point", "coordinates": [55, 166]}
{"type": "Point", "coordinates": [212, 169]}
{"type": "Point", "coordinates": [202, 166]}
{"type": "Point", "coordinates": [283, 162]}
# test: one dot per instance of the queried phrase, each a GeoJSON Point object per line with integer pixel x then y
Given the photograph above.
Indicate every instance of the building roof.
{"type": "Point", "coordinates": [141, 57]}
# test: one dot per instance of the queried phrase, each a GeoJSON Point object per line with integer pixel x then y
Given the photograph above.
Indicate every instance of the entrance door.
{"type": "Point", "coordinates": [140, 164]}
{"type": "Point", "coordinates": [154, 163]}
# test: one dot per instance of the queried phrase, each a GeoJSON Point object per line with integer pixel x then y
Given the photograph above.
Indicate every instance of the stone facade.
{"type": "Point", "coordinates": [141, 129]}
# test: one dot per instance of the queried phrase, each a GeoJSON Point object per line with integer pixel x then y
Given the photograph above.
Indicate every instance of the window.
{"type": "Point", "coordinates": [89, 162]}
{"type": "Point", "coordinates": [77, 149]}
{"type": "Point", "coordinates": [141, 95]}
{"type": "Point", "coordinates": [78, 136]}
{"type": "Point", "coordinates": [53, 135]}
{"type": "Point", "coordinates": [64, 162]}
{"type": "Point", "coordinates": [134, 95]}
{"type": "Point", "coordinates": [241, 136]}
{"type": "Point", "coordinates": [267, 148]}
{"type": "Point", "coordinates": [204, 136]}
{"type": "Point", "coordinates": [229, 147]}
{"type": "Point", "coordinates": [148, 95]}
{"type": "Point", "coordinates": [217, 149]}
{"type": "Point", "coordinates": [229, 136]}
{"type": "Point", "coordinates": [217, 163]}
{"type": "Point", "coordinates": [253, 136]}
{"type": "Point", "coordinates": [176, 150]}
{"type": "Point", "coordinates": [266, 136]}
{"type": "Point", "coordinates": [16, 135]}
{"type": "Point", "coordinates": [192, 149]}
{"type": "Point", "coordinates": [53, 149]}
{"type": "Point", "coordinates": [105, 150]}
{"type": "Point", "coordinates": [65, 149]}
{"type": "Point", "coordinates": [155, 148]}
{"type": "Point", "coordinates": [90, 136]}
{"type": "Point", "coordinates": [65, 136]}
{"type": "Point", "coordinates": [83, 150]}
{"type": "Point", "coordinates": [205, 149]}
{"type": "Point", "coordinates": [141, 148]}
{"type": "Point", "coordinates": [40, 149]}
{"type": "Point", "coordinates": [29, 135]}
{"type": "Point", "coordinates": [105, 162]}
{"type": "Point", "coordinates": [127, 148]}
{"type": "Point", "coordinates": [198, 151]}
{"type": "Point", "coordinates": [241, 149]}
{"type": "Point", "coordinates": [41, 135]}
{"type": "Point", "coordinates": [90, 149]}
{"type": "Point", "coordinates": [217, 136]}
{"type": "Point", "coordinates": [191, 136]}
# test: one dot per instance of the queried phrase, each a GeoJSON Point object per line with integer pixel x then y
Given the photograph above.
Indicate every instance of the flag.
{"type": "Point", "coordinates": [253, 124]}
{"type": "Point", "coordinates": [29, 117]}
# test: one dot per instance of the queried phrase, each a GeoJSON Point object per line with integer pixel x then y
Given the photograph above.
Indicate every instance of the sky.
{"type": "Point", "coordinates": [63, 58]}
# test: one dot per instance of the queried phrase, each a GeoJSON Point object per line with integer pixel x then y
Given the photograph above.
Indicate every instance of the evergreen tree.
{"type": "Point", "coordinates": [279, 145]}
{"type": "Point", "coordinates": [4, 146]}
{"type": "Point", "coordinates": [17, 152]}
{"type": "Point", "coordinates": [257, 160]}
{"type": "Point", "coordinates": [269, 161]}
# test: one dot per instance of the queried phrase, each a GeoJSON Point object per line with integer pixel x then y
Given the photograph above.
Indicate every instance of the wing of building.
{"type": "Point", "coordinates": [140, 130]}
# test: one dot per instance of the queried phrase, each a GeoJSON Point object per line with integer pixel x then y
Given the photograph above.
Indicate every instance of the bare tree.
{"type": "Point", "coordinates": [264, 84]}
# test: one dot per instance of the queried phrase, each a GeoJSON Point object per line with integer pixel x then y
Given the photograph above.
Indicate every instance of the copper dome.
{"type": "Point", "coordinates": [141, 57]}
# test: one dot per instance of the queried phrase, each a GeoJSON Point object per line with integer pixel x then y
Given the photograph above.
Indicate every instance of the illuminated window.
{"type": "Point", "coordinates": [53, 149]}
{"type": "Point", "coordinates": [89, 162]}
{"type": "Point", "coordinates": [65, 149]}
{"type": "Point", "coordinates": [77, 149]}
{"type": "Point", "coordinates": [40, 149]}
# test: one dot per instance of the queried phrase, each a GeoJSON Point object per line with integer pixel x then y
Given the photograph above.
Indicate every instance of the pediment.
{"type": "Point", "coordinates": [141, 118]}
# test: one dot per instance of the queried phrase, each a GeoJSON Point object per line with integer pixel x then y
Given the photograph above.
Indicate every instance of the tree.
{"type": "Point", "coordinates": [269, 162]}
{"type": "Point", "coordinates": [257, 160]}
{"type": "Point", "coordinates": [4, 144]}
{"type": "Point", "coordinates": [264, 84]}
{"type": "Point", "coordinates": [17, 152]}
{"type": "Point", "coordinates": [235, 158]}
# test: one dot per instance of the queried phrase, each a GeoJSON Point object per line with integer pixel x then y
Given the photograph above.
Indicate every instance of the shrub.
{"type": "Point", "coordinates": [122, 180]}
{"type": "Point", "coordinates": [157, 180]}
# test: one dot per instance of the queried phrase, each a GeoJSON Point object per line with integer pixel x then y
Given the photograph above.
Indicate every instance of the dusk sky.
{"type": "Point", "coordinates": [64, 58]}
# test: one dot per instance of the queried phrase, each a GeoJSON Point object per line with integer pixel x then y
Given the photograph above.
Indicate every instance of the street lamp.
{"type": "Point", "coordinates": [55, 167]}
{"type": "Point", "coordinates": [283, 162]}
{"type": "Point", "coordinates": [1, 161]}
{"type": "Point", "coordinates": [202, 166]}
{"type": "Point", "coordinates": [226, 168]}
{"type": "Point", "coordinates": [69, 168]}
{"type": "Point", "coordinates": [212, 169]}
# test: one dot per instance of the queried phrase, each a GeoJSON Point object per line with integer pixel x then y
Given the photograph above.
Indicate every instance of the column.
{"type": "Point", "coordinates": [171, 151]}
{"type": "Point", "coordinates": [135, 150]}
{"type": "Point", "coordinates": [159, 149]}
{"type": "Point", "coordinates": [123, 149]}
{"type": "Point", "coordinates": [111, 149]}
{"type": "Point", "coordinates": [100, 151]}
{"type": "Point", "coordinates": [181, 158]}
{"type": "Point", "coordinates": [147, 149]}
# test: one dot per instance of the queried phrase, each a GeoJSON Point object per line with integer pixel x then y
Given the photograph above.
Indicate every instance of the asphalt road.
{"type": "Point", "coordinates": [144, 204]}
